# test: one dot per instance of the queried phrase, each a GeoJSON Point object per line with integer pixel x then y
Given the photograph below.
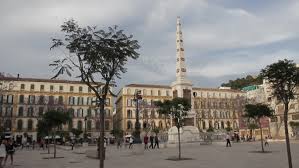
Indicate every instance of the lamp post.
{"type": "Point", "coordinates": [85, 135]}
{"type": "Point", "coordinates": [137, 97]}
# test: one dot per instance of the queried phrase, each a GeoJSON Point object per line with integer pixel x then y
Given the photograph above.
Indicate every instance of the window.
{"type": "Point", "coordinates": [22, 86]}
{"type": "Point", "coordinates": [41, 100]}
{"type": "Point", "coordinates": [42, 87]}
{"type": "Point", "coordinates": [89, 90]}
{"type": "Point", "coordinates": [71, 100]}
{"type": "Point", "coordinates": [51, 100]}
{"type": "Point", "coordinates": [51, 88]}
{"type": "Point", "coordinates": [152, 93]}
{"type": "Point", "coordinates": [8, 112]}
{"type": "Point", "coordinates": [1, 112]}
{"type": "Point", "coordinates": [21, 99]}
{"type": "Point", "coordinates": [21, 112]}
{"type": "Point", "coordinates": [89, 112]}
{"type": "Point", "coordinates": [295, 117]}
{"type": "Point", "coordinates": [129, 125]}
{"type": "Point", "coordinates": [167, 93]}
{"type": "Point", "coordinates": [60, 100]}
{"type": "Point", "coordinates": [129, 102]}
{"type": "Point", "coordinates": [144, 92]}
{"type": "Point", "coordinates": [203, 125]}
{"type": "Point", "coordinates": [72, 112]}
{"type": "Point", "coordinates": [9, 99]}
{"type": "Point", "coordinates": [80, 89]}
{"type": "Point", "coordinates": [30, 124]}
{"type": "Point", "coordinates": [32, 87]}
{"type": "Point", "coordinates": [107, 125]}
{"type": "Point", "coordinates": [1, 99]}
{"type": "Point", "coordinates": [80, 101]}
{"type": "Point", "coordinates": [20, 125]}
{"type": "Point", "coordinates": [31, 99]}
{"type": "Point", "coordinates": [107, 112]}
{"type": "Point", "coordinates": [40, 111]}
{"type": "Point", "coordinates": [129, 113]}
{"type": "Point", "coordinates": [79, 112]}
{"type": "Point", "coordinates": [30, 112]}
{"type": "Point", "coordinates": [128, 91]}
{"type": "Point", "coordinates": [71, 88]}
{"type": "Point", "coordinates": [60, 88]}
{"type": "Point", "coordinates": [159, 93]}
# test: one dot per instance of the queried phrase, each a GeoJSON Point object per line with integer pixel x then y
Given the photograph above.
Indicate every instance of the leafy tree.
{"type": "Point", "coordinates": [164, 110]}
{"type": "Point", "coordinates": [252, 126]}
{"type": "Point", "coordinates": [156, 130]}
{"type": "Point", "coordinates": [239, 83]}
{"type": "Point", "coordinates": [210, 129]}
{"type": "Point", "coordinates": [228, 129]}
{"type": "Point", "coordinates": [177, 108]}
{"type": "Point", "coordinates": [257, 112]}
{"type": "Point", "coordinates": [98, 55]}
{"type": "Point", "coordinates": [118, 133]}
{"type": "Point", "coordinates": [283, 76]}
{"type": "Point", "coordinates": [76, 132]}
{"type": "Point", "coordinates": [51, 122]}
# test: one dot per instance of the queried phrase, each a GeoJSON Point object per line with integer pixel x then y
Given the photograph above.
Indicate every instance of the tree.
{"type": "Point", "coordinates": [283, 77]}
{"type": "Point", "coordinates": [98, 55]}
{"type": "Point", "coordinates": [118, 133]}
{"type": "Point", "coordinates": [252, 126]}
{"type": "Point", "coordinates": [156, 130]}
{"type": "Point", "coordinates": [240, 83]}
{"type": "Point", "coordinates": [257, 112]}
{"type": "Point", "coordinates": [51, 122]}
{"type": "Point", "coordinates": [76, 132]}
{"type": "Point", "coordinates": [177, 108]}
{"type": "Point", "coordinates": [164, 110]}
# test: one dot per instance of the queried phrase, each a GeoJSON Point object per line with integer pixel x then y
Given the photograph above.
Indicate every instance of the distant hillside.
{"type": "Point", "coordinates": [239, 83]}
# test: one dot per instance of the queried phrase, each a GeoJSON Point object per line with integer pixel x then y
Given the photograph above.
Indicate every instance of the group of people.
{"type": "Point", "coordinates": [7, 149]}
{"type": "Point", "coordinates": [154, 142]}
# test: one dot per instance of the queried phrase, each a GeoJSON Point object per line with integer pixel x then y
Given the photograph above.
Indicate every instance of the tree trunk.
{"type": "Point", "coordinates": [102, 133]}
{"type": "Point", "coordinates": [48, 144]}
{"type": "Point", "coordinates": [179, 137]}
{"type": "Point", "coordinates": [286, 129]}
{"type": "Point", "coordinates": [55, 144]}
{"type": "Point", "coordinates": [262, 139]}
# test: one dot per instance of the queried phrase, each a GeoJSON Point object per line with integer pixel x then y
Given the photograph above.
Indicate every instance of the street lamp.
{"type": "Point", "coordinates": [85, 135]}
{"type": "Point", "coordinates": [137, 97]}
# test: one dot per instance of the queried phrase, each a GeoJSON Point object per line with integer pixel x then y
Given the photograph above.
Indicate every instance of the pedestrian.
{"type": "Point", "coordinates": [228, 140]}
{"type": "Point", "coordinates": [73, 144]}
{"type": "Point", "coordinates": [2, 152]}
{"type": "Point", "coordinates": [156, 142]}
{"type": "Point", "coordinates": [145, 140]}
{"type": "Point", "coordinates": [131, 142]}
{"type": "Point", "coordinates": [266, 141]}
{"type": "Point", "coordinates": [118, 141]}
{"type": "Point", "coordinates": [152, 142]}
{"type": "Point", "coordinates": [10, 150]}
{"type": "Point", "coordinates": [33, 144]}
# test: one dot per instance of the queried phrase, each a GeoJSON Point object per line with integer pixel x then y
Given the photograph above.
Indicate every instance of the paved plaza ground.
{"type": "Point", "coordinates": [240, 155]}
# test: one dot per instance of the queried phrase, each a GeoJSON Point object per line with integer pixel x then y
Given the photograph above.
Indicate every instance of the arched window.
{"type": "Point", "coordinates": [129, 113]}
{"type": "Point", "coordinates": [89, 125]}
{"type": "Point", "coordinates": [107, 125]}
{"type": "Point", "coordinates": [216, 125]}
{"type": "Point", "coordinates": [72, 112]}
{"type": "Point", "coordinates": [30, 112]}
{"type": "Point", "coordinates": [160, 125]}
{"type": "Point", "coordinates": [21, 111]}
{"type": "Point", "coordinates": [235, 125]}
{"type": "Point", "coordinates": [97, 125]}
{"type": "Point", "coordinates": [222, 125]}
{"type": "Point", "coordinates": [89, 112]}
{"type": "Point", "coordinates": [79, 126]}
{"type": "Point", "coordinates": [228, 124]}
{"type": "Point", "coordinates": [20, 125]}
{"type": "Point", "coordinates": [30, 124]}
{"type": "Point", "coordinates": [144, 125]}
{"type": "Point", "coordinates": [210, 124]}
{"type": "Point", "coordinates": [153, 124]}
{"type": "Point", "coordinates": [129, 125]}
{"type": "Point", "coordinates": [203, 125]}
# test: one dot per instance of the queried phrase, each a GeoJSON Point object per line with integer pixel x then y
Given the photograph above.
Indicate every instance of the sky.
{"type": "Point", "coordinates": [223, 39]}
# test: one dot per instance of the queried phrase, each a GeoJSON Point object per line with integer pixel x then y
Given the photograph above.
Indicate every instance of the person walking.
{"type": "Point", "coordinates": [10, 150]}
{"type": "Point", "coordinates": [2, 152]}
{"type": "Point", "coordinates": [131, 142]}
{"type": "Point", "coordinates": [145, 140]}
{"type": "Point", "coordinates": [118, 143]}
{"type": "Point", "coordinates": [227, 137]}
{"type": "Point", "coordinates": [266, 141]}
{"type": "Point", "coordinates": [156, 142]}
{"type": "Point", "coordinates": [152, 142]}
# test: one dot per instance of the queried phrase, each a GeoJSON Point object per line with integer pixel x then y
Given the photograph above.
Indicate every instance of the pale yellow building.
{"type": "Point", "coordinates": [24, 101]}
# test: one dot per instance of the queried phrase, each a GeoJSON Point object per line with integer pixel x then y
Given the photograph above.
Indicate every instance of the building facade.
{"type": "Point", "coordinates": [25, 100]}
{"type": "Point", "coordinates": [214, 108]}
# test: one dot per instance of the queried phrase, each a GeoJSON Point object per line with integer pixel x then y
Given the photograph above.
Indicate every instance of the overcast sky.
{"type": "Point", "coordinates": [223, 39]}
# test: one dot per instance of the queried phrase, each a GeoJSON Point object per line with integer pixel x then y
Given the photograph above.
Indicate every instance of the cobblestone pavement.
{"type": "Point", "coordinates": [240, 155]}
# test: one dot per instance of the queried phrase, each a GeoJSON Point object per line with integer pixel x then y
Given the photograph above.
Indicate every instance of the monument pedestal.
{"type": "Point", "coordinates": [188, 134]}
